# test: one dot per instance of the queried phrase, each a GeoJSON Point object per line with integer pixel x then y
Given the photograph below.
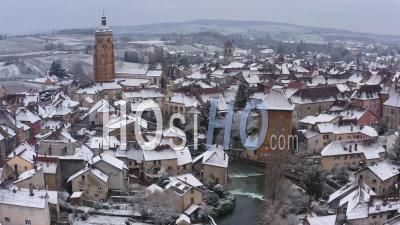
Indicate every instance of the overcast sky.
{"type": "Point", "coordinates": [373, 16]}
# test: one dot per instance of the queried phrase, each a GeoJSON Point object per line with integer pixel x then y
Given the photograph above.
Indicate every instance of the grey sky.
{"type": "Point", "coordinates": [374, 16]}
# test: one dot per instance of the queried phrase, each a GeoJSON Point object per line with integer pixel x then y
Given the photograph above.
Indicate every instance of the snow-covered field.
{"type": "Point", "coordinates": [149, 42]}
{"type": "Point", "coordinates": [68, 60]}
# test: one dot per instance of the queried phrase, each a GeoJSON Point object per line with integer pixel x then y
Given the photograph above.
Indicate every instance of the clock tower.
{"type": "Point", "coordinates": [103, 59]}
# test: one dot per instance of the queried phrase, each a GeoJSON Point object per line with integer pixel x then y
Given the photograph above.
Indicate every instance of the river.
{"type": "Point", "coordinates": [246, 182]}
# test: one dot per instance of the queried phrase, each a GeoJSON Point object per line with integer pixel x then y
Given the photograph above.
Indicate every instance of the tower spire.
{"type": "Point", "coordinates": [104, 19]}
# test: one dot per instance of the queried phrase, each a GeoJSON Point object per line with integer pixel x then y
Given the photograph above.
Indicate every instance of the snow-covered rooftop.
{"type": "Point", "coordinates": [25, 151]}
{"type": "Point", "coordinates": [384, 170]}
{"type": "Point", "coordinates": [81, 153]}
{"type": "Point", "coordinates": [346, 129]}
{"type": "Point", "coordinates": [321, 118]}
{"type": "Point", "coordinates": [214, 157]}
{"type": "Point", "coordinates": [322, 220]}
{"type": "Point", "coordinates": [96, 172]}
{"type": "Point", "coordinates": [370, 148]}
{"type": "Point", "coordinates": [189, 179]}
{"type": "Point", "coordinates": [21, 197]}
{"type": "Point", "coordinates": [99, 142]}
{"type": "Point", "coordinates": [183, 156]}
{"type": "Point", "coordinates": [393, 100]}
{"type": "Point", "coordinates": [27, 174]}
{"type": "Point", "coordinates": [101, 106]}
{"type": "Point", "coordinates": [164, 154]}
{"type": "Point", "coordinates": [154, 73]}
{"type": "Point", "coordinates": [25, 115]}
{"type": "Point", "coordinates": [154, 188]}
{"type": "Point", "coordinates": [48, 167]}
{"type": "Point", "coordinates": [183, 218]}
{"type": "Point", "coordinates": [134, 82]}
{"type": "Point", "coordinates": [180, 98]}
{"type": "Point", "coordinates": [109, 159]}
{"type": "Point", "coordinates": [133, 154]}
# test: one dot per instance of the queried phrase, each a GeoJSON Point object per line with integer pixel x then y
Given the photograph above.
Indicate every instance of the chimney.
{"type": "Point", "coordinates": [185, 179]}
{"type": "Point", "coordinates": [31, 190]}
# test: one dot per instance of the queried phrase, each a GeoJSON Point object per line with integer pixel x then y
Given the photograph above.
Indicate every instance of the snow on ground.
{"type": "Point", "coordinates": [65, 40]}
{"type": "Point", "coordinates": [267, 51]}
{"type": "Point", "coordinates": [184, 48]}
{"type": "Point", "coordinates": [106, 220]}
{"type": "Point", "coordinates": [210, 48]}
{"type": "Point", "coordinates": [20, 44]}
{"type": "Point", "coordinates": [68, 60]}
{"type": "Point", "coordinates": [149, 42]}
{"type": "Point", "coordinates": [118, 212]}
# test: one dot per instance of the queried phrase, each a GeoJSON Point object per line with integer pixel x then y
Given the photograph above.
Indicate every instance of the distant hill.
{"type": "Point", "coordinates": [276, 30]}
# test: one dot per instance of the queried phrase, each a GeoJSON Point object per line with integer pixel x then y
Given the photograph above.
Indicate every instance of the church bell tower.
{"type": "Point", "coordinates": [228, 53]}
{"type": "Point", "coordinates": [103, 59]}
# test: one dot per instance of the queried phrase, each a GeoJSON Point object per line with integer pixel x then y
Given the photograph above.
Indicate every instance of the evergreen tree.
{"type": "Point", "coordinates": [204, 114]}
{"type": "Point", "coordinates": [314, 180]}
{"type": "Point", "coordinates": [58, 70]}
{"type": "Point", "coordinates": [394, 152]}
{"type": "Point", "coordinates": [383, 128]}
{"type": "Point", "coordinates": [242, 96]}
{"type": "Point", "coordinates": [298, 50]}
{"type": "Point", "coordinates": [216, 54]}
{"type": "Point", "coordinates": [340, 174]}
{"type": "Point", "coordinates": [204, 117]}
{"type": "Point", "coordinates": [126, 56]}
{"type": "Point", "coordinates": [300, 140]}
{"type": "Point", "coordinates": [280, 48]}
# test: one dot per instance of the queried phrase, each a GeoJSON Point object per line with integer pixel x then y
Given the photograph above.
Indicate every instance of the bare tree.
{"type": "Point", "coordinates": [162, 206]}
{"type": "Point", "coordinates": [283, 200]}
{"type": "Point", "coordinates": [77, 70]}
